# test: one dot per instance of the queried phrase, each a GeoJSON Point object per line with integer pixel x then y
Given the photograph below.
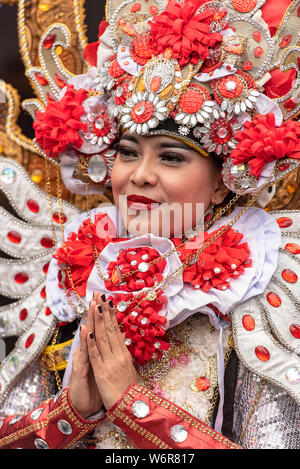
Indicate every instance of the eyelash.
{"type": "Point", "coordinates": [173, 157]}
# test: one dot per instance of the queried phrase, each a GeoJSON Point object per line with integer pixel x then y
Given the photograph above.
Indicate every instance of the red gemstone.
{"type": "Point", "coordinates": [153, 10]}
{"type": "Point", "coordinates": [29, 340]}
{"type": "Point", "coordinates": [257, 36]}
{"type": "Point", "coordinates": [43, 292]}
{"type": "Point", "coordinates": [135, 7]}
{"type": "Point", "coordinates": [289, 276]}
{"type": "Point", "coordinates": [41, 79]}
{"type": "Point", "coordinates": [284, 222]}
{"type": "Point", "coordinates": [258, 51]}
{"type": "Point", "coordinates": [33, 206]}
{"type": "Point", "coordinates": [47, 242]}
{"type": "Point", "coordinates": [248, 322]}
{"type": "Point", "coordinates": [48, 311]}
{"type": "Point", "coordinates": [293, 248]}
{"type": "Point", "coordinates": [262, 353]}
{"type": "Point", "coordinates": [285, 41]}
{"type": "Point", "coordinates": [295, 330]}
{"type": "Point", "coordinates": [59, 81]}
{"type": "Point", "coordinates": [14, 237]}
{"type": "Point", "coordinates": [274, 299]}
{"type": "Point", "coordinates": [59, 217]}
{"type": "Point", "coordinates": [23, 314]}
{"type": "Point", "coordinates": [247, 66]}
{"type": "Point", "coordinates": [202, 383]}
{"type": "Point", "coordinates": [21, 277]}
{"type": "Point", "coordinates": [48, 41]}
{"type": "Point", "coordinates": [284, 166]}
{"type": "Point", "coordinates": [46, 267]}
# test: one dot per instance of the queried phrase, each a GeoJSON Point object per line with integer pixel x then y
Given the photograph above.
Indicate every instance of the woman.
{"type": "Point", "coordinates": [160, 299]}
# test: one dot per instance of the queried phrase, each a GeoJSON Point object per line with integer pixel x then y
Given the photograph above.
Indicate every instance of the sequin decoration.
{"type": "Point", "coordinates": [64, 427]}
{"type": "Point", "coordinates": [293, 248]}
{"type": "Point", "coordinates": [97, 168]}
{"type": "Point", "coordinates": [289, 276]}
{"type": "Point", "coordinates": [33, 206]}
{"type": "Point", "coordinates": [178, 433]}
{"type": "Point", "coordinates": [293, 375]}
{"type": "Point", "coordinates": [40, 444]}
{"type": "Point", "coordinates": [248, 322]}
{"type": "Point", "coordinates": [262, 353]}
{"type": "Point", "coordinates": [21, 277]}
{"type": "Point", "coordinates": [140, 409]}
{"type": "Point", "coordinates": [8, 176]}
{"type": "Point", "coordinates": [14, 237]}
{"type": "Point", "coordinates": [284, 222]}
{"type": "Point", "coordinates": [295, 330]}
{"type": "Point", "coordinates": [274, 299]}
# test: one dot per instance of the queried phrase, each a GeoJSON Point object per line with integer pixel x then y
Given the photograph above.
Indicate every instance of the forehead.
{"type": "Point", "coordinates": [155, 141]}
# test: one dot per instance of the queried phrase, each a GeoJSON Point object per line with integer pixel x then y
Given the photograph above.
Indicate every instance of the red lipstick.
{"type": "Point", "coordinates": [139, 202]}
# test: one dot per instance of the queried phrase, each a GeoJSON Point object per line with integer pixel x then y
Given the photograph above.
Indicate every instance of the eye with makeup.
{"type": "Point", "coordinates": [167, 157]}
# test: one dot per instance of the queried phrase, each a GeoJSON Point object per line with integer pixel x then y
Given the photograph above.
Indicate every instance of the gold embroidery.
{"type": "Point", "coordinates": [189, 419]}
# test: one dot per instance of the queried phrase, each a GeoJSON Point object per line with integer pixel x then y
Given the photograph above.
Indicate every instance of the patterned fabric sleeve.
{"type": "Point", "coordinates": [151, 422]}
{"type": "Point", "coordinates": [53, 425]}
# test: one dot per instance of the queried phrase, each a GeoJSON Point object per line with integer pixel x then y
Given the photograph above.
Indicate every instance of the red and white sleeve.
{"type": "Point", "coordinates": [151, 422]}
{"type": "Point", "coordinates": [55, 424]}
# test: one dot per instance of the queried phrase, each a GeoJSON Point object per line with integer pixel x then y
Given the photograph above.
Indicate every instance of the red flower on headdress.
{"type": "Point", "coordinates": [261, 142]}
{"type": "Point", "coordinates": [58, 125]}
{"type": "Point", "coordinates": [185, 31]}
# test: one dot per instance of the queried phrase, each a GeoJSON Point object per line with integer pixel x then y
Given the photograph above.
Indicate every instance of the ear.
{"type": "Point", "coordinates": [220, 192]}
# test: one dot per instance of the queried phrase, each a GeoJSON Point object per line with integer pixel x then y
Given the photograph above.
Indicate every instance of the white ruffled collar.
{"type": "Point", "coordinates": [260, 231]}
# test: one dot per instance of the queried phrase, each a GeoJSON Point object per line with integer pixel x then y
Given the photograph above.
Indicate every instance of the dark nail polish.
{"type": "Point", "coordinates": [91, 335]}
{"type": "Point", "coordinates": [111, 303]}
{"type": "Point", "coordinates": [99, 309]}
{"type": "Point", "coordinates": [103, 297]}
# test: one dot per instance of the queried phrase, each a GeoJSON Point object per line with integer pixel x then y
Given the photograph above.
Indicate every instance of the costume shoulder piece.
{"type": "Point", "coordinates": [267, 327]}
{"type": "Point", "coordinates": [27, 241]}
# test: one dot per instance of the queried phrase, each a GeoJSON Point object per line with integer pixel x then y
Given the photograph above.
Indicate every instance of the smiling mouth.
{"type": "Point", "coordinates": [138, 202]}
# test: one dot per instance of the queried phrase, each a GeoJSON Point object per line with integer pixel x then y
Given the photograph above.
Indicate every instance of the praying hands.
{"type": "Point", "coordinates": [102, 367]}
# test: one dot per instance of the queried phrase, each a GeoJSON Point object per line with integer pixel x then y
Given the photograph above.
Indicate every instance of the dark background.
{"type": "Point", "coordinates": [11, 65]}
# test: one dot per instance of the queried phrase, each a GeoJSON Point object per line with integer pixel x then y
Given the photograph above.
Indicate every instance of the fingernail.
{"type": "Point", "coordinates": [91, 334]}
{"type": "Point", "coordinates": [99, 309]}
{"type": "Point", "coordinates": [80, 328]}
{"type": "Point", "coordinates": [111, 303]}
{"type": "Point", "coordinates": [103, 297]}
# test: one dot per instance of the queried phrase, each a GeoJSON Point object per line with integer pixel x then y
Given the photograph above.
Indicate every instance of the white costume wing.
{"type": "Point", "coordinates": [267, 327]}
{"type": "Point", "coordinates": [27, 246]}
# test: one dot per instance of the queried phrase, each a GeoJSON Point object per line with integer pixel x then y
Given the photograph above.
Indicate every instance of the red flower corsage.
{"type": "Point", "coordinates": [185, 31]}
{"type": "Point", "coordinates": [78, 252]}
{"type": "Point", "coordinates": [142, 326]}
{"type": "Point", "coordinates": [59, 125]}
{"type": "Point", "coordinates": [261, 142]}
{"type": "Point", "coordinates": [134, 260]}
{"type": "Point", "coordinates": [223, 260]}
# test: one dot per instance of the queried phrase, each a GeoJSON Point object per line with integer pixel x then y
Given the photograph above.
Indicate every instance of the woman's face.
{"type": "Point", "coordinates": [162, 186]}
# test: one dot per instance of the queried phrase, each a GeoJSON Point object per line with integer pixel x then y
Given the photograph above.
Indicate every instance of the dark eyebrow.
{"type": "Point", "coordinates": [174, 144]}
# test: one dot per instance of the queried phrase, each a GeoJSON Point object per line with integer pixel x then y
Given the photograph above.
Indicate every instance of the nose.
{"type": "Point", "coordinates": [144, 171]}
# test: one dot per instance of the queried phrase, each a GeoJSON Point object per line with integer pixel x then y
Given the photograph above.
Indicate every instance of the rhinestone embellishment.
{"type": "Point", "coordinates": [36, 414]}
{"type": "Point", "coordinates": [64, 427]}
{"type": "Point", "coordinates": [40, 444]}
{"type": "Point", "coordinates": [140, 409]}
{"type": "Point", "coordinates": [178, 433]}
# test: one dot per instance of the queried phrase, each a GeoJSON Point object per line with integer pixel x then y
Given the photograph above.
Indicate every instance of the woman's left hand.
{"type": "Point", "coordinates": [110, 359]}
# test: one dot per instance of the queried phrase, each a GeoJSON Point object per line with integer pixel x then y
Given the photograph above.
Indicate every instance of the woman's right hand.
{"type": "Point", "coordinates": [84, 393]}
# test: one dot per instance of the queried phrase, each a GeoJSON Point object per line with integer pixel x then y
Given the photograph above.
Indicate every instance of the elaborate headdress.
{"type": "Point", "coordinates": [211, 73]}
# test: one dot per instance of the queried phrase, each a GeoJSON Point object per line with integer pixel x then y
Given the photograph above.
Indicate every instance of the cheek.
{"type": "Point", "coordinates": [195, 184]}
{"type": "Point", "coordinates": [118, 179]}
